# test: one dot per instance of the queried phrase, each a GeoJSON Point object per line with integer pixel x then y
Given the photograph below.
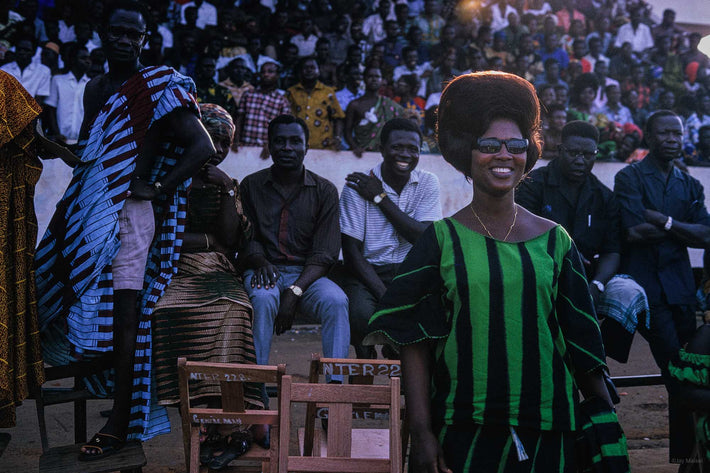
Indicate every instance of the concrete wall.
{"type": "Point", "coordinates": [456, 192]}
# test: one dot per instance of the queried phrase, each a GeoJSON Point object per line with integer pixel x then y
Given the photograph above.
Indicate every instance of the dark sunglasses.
{"type": "Point", "coordinates": [493, 145]}
{"type": "Point", "coordinates": [578, 152]}
{"type": "Point", "coordinates": [114, 33]}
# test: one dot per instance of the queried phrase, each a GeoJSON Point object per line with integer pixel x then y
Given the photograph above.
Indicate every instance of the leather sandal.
{"type": "Point", "coordinates": [239, 443]}
{"type": "Point", "coordinates": [100, 446]}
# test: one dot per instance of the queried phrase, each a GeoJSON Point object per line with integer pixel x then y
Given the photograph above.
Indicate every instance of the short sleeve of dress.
{"type": "Point", "coordinates": [412, 309]}
{"type": "Point", "coordinates": [576, 316]}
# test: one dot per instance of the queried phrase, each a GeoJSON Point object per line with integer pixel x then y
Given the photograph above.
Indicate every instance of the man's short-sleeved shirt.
{"type": "Point", "coordinates": [67, 96]}
{"type": "Point", "coordinates": [662, 269]}
{"type": "Point", "coordinates": [36, 78]}
{"type": "Point", "coordinates": [640, 39]}
{"type": "Point", "coordinates": [592, 221]}
{"type": "Point", "coordinates": [319, 110]}
{"type": "Point", "coordinates": [259, 108]}
{"type": "Point", "coordinates": [364, 221]}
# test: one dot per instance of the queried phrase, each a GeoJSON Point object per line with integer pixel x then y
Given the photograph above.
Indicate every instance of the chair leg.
{"type": "Point", "coordinates": [39, 404]}
{"type": "Point", "coordinates": [194, 459]}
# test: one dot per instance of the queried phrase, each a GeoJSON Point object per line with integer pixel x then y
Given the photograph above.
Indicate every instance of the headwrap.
{"type": "Point", "coordinates": [17, 108]}
{"type": "Point", "coordinates": [53, 46]}
{"type": "Point", "coordinates": [217, 121]}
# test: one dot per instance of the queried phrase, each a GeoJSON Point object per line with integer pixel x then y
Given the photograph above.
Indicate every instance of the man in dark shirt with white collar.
{"type": "Point", "coordinates": [296, 241]}
{"type": "Point", "coordinates": [662, 214]}
{"type": "Point", "coordinates": [567, 192]}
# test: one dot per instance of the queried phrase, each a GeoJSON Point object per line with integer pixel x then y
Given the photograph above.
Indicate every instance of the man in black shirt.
{"type": "Point", "coordinates": [296, 241]}
{"type": "Point", "coordinates": [565, 191]}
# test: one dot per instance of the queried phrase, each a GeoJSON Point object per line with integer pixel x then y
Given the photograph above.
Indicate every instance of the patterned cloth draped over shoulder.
{"type": "Point", "coordinates": [21, 364]}
{"type": "Point", "coordinates": [74, 257]}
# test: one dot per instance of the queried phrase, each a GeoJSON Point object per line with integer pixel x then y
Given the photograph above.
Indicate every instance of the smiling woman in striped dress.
{"type": "Point", "coordinates": [491, 308]}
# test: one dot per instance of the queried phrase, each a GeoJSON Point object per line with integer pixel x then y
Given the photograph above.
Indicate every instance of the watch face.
{"type": "Point", "coordinates": [231, 192]}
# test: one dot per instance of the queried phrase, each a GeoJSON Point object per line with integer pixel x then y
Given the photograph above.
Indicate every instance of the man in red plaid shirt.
{"type": "Point", "coordinates": [258, 107]}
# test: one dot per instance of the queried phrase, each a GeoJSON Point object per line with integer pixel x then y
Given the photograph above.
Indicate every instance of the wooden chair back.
{"type": "Point", "coordinates": [231, 377]}
{"type": "Point", "coordinates": [354, 371]}
{"type": "Point", "coordinates": [339, 400]}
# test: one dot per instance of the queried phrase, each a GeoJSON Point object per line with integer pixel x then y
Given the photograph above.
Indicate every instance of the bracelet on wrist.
{"type": "Point", "coordinates": [669, 224]}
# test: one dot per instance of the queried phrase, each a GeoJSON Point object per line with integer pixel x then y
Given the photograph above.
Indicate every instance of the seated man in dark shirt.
{"type": "Point", "coordinates": [296, 241]}
{"type": "Point", "coordinates": [567, 192]}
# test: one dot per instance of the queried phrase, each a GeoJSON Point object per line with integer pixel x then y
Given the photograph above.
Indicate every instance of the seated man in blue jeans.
{"type": "Point", "coordinates": [296, 241]}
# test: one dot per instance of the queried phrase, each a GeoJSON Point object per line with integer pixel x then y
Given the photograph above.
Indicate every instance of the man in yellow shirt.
{"type": "Point", "coordinates": [317, 105]}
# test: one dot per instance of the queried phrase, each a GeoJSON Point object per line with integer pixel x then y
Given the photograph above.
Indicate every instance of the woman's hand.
{"type": "Point", "coordinates": [211, 174]}
{"type": "Point", "coordinates": [426, 454]}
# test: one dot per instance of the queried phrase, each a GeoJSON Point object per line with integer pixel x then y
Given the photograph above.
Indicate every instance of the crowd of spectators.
{"type": "Point", "coordinates": [605, 62]}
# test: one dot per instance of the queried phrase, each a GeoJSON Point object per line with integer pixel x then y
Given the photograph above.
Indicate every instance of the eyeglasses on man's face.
{"type": "Point", "coordinates": [114, 33]}
{"type": "Point", "coordinates": [587, 155]}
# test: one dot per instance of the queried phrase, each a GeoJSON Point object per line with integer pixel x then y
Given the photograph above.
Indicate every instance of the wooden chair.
{"type": "Point", "coordinates": [231, 377]}
{"type": "Point", "coordinates": [130, 459]}
{"type": "Point", "coordinates": [363, 372]}
{"type": "Point", "coordinates": [339, 400]}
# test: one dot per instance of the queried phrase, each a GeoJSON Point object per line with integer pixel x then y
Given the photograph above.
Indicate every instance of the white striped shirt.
{"type": "Point", "coordinates": [364, 221]}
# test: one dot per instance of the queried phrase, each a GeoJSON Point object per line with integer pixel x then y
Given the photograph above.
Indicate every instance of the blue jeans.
{"type": "Point", "coordinates": [323, 299]}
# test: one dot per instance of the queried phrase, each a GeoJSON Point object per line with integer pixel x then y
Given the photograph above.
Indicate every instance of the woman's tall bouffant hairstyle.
{"type": "Point", "coordinates": [471, 102]}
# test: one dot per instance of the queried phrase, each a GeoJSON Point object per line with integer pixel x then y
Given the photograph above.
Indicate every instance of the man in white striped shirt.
{"type": "Point", "coordinates": [382, 213]}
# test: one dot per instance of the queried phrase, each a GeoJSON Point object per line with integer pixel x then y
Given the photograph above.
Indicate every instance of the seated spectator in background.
{"type": "Point", "coordinates": [551, 75]}
{"type": "Point", "coordinates": [595, 52]}
{"type": "Point", "coordinates": [306, 39]}
{"type": "Point", "coordinates": [414, 40]}
{"type": "Point", "coordinates": [353, 86]}
{"type": "Point", "coordinates": [316, 104]}
{"type": "Point", "coordinates": [698, 119]}
{"type": "Point", "coordinates": [581, 100]}
{"type": "Point", "coordinates": [701, 152]}
{"type": "Point", "coordinates": [253, 58]}
{"type": "Point", "coordinates": [601, 68]}
{"type": "Point", "coordinates": [205, 313]}
{"type": "Point", "coordinates": [548, 98]}
{"type": "Point", "coordinates": [405, 94]}
{"type": "Point", "coordinates": [638, 34]}
{"type": "Point", "coordinates": [410, 65]}
{"type": "Point", "coordinates": [209, 91]}
{"type": "Point", "coordinates": [442, 73]}
{"type": "Point", "coordinates": [258, 107]}
{"type": "Point", "coordinates": [289, 66]}
{"type": "Point", "coordinates": [629, 150]}
{"type": "Point", "coordinates": [562, 94]}
{"type": "Point", "coordinates": [236, 81]}
{"type": "Point", "coordinates": [569, 13]}
{"type": "Point", "coordinates": [382, 213]}
{"type": "Point", "coordinates": [557, 118]}
{"type": "Point", "coordinates": [34, 77]}
{"type": "Point", "coordinates": [206, 13]}
{"type": "Point", "coordinates": [630, 100]}
{"type": "Point", "coordinates": [565, 191]}
{"type": "Point", "coordinates": [184, 56]}
{"type": "Point", "coordinates": [513, 32]}
{"type": "Point", "coordinates": [339, 39]}
{"type": "Point", "coordinates": [637, 82]}
{"type": "Point", "coordinates": [526, 47]}
{"type": "Point", "coordinates": [667, 27]}
{"type": "Point", "coordinates": [431, 23]}
{"type": "Point", "coordinates": [500, 11]}
{"type": "Point", "coordinates": [622, 63]}
{"type": "Point", "coordinates": [326, 66]}
{"type": "Point", "coordinates": [366, 115]}
{"type": "Point", "coordinates": [576, 31]}
{"type": "Point", "coordinates": [579, 52]}
{"type": "Point", "coordinates": [673, 71]}
{"type": "Point", "coordinates": [666, 100]}
{"type": "Point", "coordinates": [448, 42]}
{"type": "Point", "coordinates": [613, 109]}
{"type": "Point", "coordinates": [401, 13]}
{"type": "Point", "coordinates": [153, 55]}
{"type": "Point", "coordinates": [393, 44]}
{"type": "Point", "coordinates": [287, 269]}
{"type": "Point", "coordinates": [498, 49]}
{"type": "Point", "coordinates": [64, 108]}
{"type": "Point", "coordinates": [552, 50]}
{"type": "Point", "coordinates": [373, 27]}
{"type": "Point", "coordinates": [602, 23]}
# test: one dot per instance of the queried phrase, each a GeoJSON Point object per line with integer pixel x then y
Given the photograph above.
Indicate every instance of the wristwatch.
{"type": "Point", "coordinates": [599, 284]}
{"type": "Point", "coordinates": [157, 186]}
{"type": "Point", "coordinates": [231, 192]}
{"type": "Point", "coordinates": [297, 291]}
{"type": "Point", "coordinates": [669, 224]}
{"type": "Point", "coordinates": [379, 198]}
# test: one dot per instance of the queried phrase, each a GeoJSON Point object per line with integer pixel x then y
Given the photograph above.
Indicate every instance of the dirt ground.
{"type": "Point", "coordinates": [642, 411]}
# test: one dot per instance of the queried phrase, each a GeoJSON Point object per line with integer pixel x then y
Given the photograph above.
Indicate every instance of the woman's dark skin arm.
{"type": "Point", "coordinates": [592, 384]}
{"type": "Point", "coordinates": [426, 453]}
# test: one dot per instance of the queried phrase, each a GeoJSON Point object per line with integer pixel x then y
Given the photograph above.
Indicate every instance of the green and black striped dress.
{"type": "Point", "coordinates": [512, 323]}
